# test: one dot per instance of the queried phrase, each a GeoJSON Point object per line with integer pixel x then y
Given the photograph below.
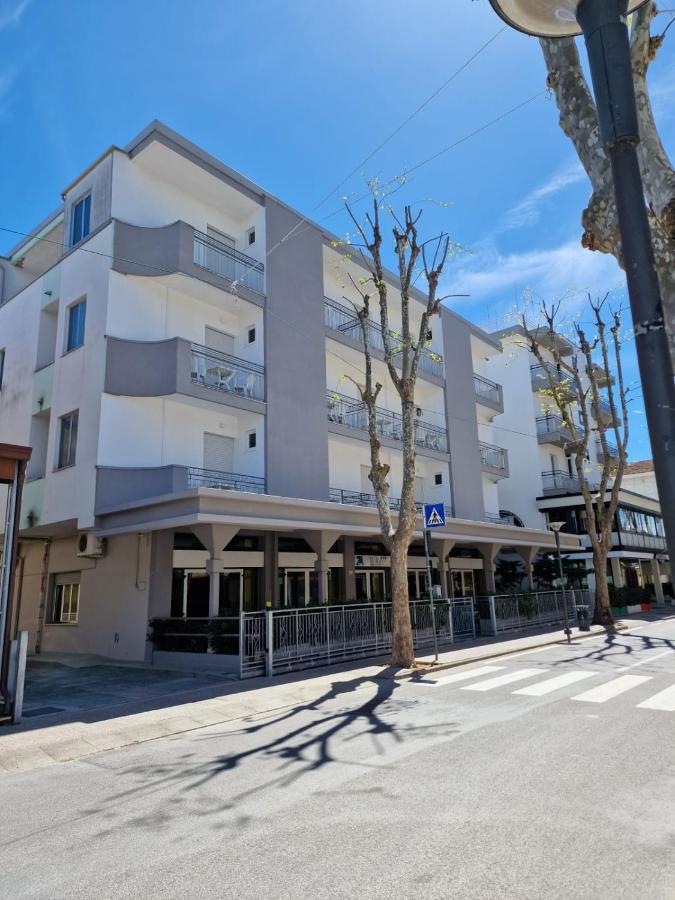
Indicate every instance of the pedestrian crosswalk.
{"type": "Point", "coordinates": [543, 682]}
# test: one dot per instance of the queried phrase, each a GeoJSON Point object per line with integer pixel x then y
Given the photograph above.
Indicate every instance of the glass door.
{"type": "Point", "coordinates": [462, 583]}
{"type": "Point", "coordinates": [231, 601]}
{"type": "Point", "coordinates": [377, 586]}
{"type": "Point", "coordinates": [296, 587]}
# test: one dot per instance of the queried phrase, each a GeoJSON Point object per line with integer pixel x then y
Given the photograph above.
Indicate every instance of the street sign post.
{"type": "Point", "coordinates": [434, 517]}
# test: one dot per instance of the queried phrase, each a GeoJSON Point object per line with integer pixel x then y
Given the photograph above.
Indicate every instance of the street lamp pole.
{"type": "Point", "coordinates": [604, 26]}
{"type": "Point", "coordinates": [555, 528]}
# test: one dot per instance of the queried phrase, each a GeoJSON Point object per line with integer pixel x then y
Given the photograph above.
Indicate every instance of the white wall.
{"type": "Point", "coordinates": [641, 483]}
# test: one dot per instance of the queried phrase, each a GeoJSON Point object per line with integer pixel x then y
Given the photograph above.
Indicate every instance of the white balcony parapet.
{"type": "Point", "coordinates": [222, 372]}
{"type": "Point", "coordinates": [343, 320]}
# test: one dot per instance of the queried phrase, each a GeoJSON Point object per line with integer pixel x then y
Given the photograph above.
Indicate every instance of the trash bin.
{"type": "Point", "coordinates": [583, 618]}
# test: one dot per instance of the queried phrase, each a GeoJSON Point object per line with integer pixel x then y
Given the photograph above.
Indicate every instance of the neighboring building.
{"type": "Point", "coordinates": [639, 477]}
{"type": "Point", "coordinates": [543, 485]}
{"type": "Point", "coordinates": [174, 341]}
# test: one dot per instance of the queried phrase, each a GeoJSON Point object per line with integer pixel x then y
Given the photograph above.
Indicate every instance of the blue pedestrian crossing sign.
{"type": "Point", "coordinates": [434, 515]}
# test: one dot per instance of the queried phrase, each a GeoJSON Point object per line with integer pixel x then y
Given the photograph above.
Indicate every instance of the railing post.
{"type": "Point", "coordinates": [473, 617]}
{"type": "Point", "coordinates": [269, 642]}
{"type": "Point", "coordinates": [493, 614]}
{"type": "Point", "coordinates": [328, 633]}
{"type": "Point", "coordinates": [241, 644]}
{"type": "Point", "coordinates": [451, 625]}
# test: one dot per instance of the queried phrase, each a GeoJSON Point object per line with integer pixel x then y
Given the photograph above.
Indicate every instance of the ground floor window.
{"type": "Point", "coordinates": [66, 600]}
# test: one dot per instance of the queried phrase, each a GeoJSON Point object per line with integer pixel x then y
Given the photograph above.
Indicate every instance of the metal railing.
{"type": "Point", "coordinates": [611, 449]}
{"type": "Point", "coordinates": [227, 262]}
{"type": "Point", "coordinates": [222, 372]}
{"type": "Point", "coordinates": [500, 519]}
{"type": "Point", "coordinates": [361, 498]}
{"type": "Point", "coordinates": [492, 457]}
{"type": "Point", "coordinates": [486, 389]}
{"type": "Point", "coordinates": [517, 612]}
{"type": "Point", "coordinates": [539, 376]}
{"type": "Point", "coordinates": [283, 640]}
{"type": "Point", "coordinates": [551, 423]}
{"type": "Point", "coordinates": [225, 481]}
{"type": "Point", "coordinates": [353, 413]}
{"type": "Point", "coordinates": [557, 481]}
{"type": "Point", "coordinates": [340, 318]}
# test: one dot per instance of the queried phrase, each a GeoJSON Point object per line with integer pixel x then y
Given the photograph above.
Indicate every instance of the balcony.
{"type": "Point", "coordinates": [494, 460]}
{"type": "Point", "coordinates": [500, 519]}
{"type": "Point", "coordinates": [611, 450]}
{"type": "Point", "coordinates": [175, 366]}
{"type": "Point", "coordinates": [352, 413]}
{"type": "Point", "coordinates": [340, 319]}
{"type": "Point", "coordinates": [603, 412]}
{"type": "Point", "coordinates": [559, 482]}
{"type": "Point", "coordinates": [121, 486]}
{"type": "Point", "coordinates": [221, 372]}
{"type": "Point", "coordinates": [541, 377]}
{"type": "Point", "coordinates": [226, 262]}
{"type": "Point", "coordinates": [488, 393]}
{"type": "Point", "coordinates": [551, 429]}
{"type": "Point", "coordinates": [360, 498]}
{"type": "Point", "coordinates": [174, 252]}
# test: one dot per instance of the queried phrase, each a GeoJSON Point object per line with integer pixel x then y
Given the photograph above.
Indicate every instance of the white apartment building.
{"type": "Point", "coordinates": [543, 484]}
{"type": "Point", "coordinates": [176, 360]}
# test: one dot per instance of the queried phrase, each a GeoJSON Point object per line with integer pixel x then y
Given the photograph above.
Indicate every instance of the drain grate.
{"type": "Point", "coordinates": [41, 711]}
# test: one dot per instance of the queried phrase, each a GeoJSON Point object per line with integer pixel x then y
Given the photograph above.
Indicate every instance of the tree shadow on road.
{"type": "Point", "coordinates": [307, 743]}
{"type": "Point", "coordinates": [618, 646]}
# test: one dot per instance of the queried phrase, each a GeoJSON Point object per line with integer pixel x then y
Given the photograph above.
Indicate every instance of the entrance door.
{"type": "Point", "coordinates": [231, 593]}
{"type": "Point", "coordinates": [462, 583]}
{"type": "Point", "coordinates": [296, 587]}
{"type": "Point", "coordinates": [417, 584]}
{"type": "Point", "coordinates": [376, 586]}
{"type": "Point", "coordinates": [370, 586]}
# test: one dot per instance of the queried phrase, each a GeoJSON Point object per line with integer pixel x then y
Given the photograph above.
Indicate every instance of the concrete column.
{"type": "Point", "coordinates": [615, 567]}
{"type": "Point", "coordinates": [658, 587]}
{"type": "Point", "coordinates": [321, 542]}
{"type": "Point", "coordinates": [215, 538]}
{"type": "Point", "coordinates": [161, 572]}
{"type": "Point", "coordinates": [489, 552]}
{"type": "Point", "coordinates": [271, 571]}
{"type": "Point", "coordinates": [349, 567]}
{"type": "Point", "coordinates": [443, 548]}
{"type": "Point", "coordinates": [528, 555]}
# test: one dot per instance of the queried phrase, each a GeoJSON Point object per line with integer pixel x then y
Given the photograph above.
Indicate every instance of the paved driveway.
{"type": "Point", "coordinates": [53, 687]}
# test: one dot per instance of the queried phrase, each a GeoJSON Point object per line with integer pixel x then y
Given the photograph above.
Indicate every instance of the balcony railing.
{"type": "Point", "coordinates": [353, 413]}
{"type": "Point", "coordinates": [228, 263]}
{"type": "Point", "coordinates": [611, 449]}
{"type": "Point", "coordinates": [225, 481]}
{"type": "Point", "coordinates": [539, 376]}
{"type": "Point", "coordinates": [485, 389]}
{"type": "Point", "coordinates": [558, 482]}
{"type": "Point", "coordinates": [361, 498]}
{"type": "Point", "coordinates": [341, 319]}
{"type": "Point", "coordinates": [492, 457]}
{"type": "Point", "coordinates": [552, 423]}
{"type": "Point", "coordinates": [221, 372]}
{"type": "Point", "coordinates": [500, 519]}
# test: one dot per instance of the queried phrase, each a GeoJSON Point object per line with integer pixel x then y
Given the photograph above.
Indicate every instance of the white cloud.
{"type": "Point", "coordinates": [528, 210]}
{"type": "Point", "coordinates": [566, 270]}
{"type": "Point", "coordinates": [11, 12]}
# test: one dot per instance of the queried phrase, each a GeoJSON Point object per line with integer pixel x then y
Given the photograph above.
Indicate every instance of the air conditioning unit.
{"type": "Point", "coordinates": [90, 546]}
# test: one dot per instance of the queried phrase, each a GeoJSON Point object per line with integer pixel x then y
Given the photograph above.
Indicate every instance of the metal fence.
{"type": "Point", "coordinates": [225, 481]}
{"type": "Point", "coordinates": [319, 636]}
{"type": "Point", "coordinates": [227, 262]}
{"type": "Point", "coordinates": [518, 612]}
{"type": "Point", "coordinates": [491, 456]}
{"type": "Point", "coordinates": [353, 413]}
{"type": "Point", "coordinates": [486, 389]}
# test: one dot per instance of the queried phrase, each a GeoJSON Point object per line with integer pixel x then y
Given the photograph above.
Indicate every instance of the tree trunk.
{"type": "Point", "coordinates": [402, 653]}
{"type": "Point", "coordinates": [603, 609]}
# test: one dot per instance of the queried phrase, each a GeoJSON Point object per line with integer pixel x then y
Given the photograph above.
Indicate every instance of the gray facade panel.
{"type": "Point", "coordinates": [115, 487]}
{"type": "Point", "coordinates": [295, 360]}
{"type": "Point", "coordinates": [143, 368]}
{"type": "Point", "coordinates": [460, 410]}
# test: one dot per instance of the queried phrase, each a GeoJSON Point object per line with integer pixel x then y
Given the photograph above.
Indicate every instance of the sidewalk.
{"type": "Point", "coordinates": [66, 736]}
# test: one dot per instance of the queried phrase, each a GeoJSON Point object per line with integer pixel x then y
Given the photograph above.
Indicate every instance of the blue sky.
{"type": "Point", "coordinates": [295, 94]}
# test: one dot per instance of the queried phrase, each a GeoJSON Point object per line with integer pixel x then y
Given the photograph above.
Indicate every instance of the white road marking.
{"type": "Point", "coordinates": [612, 689]}
{"type": "Point", "coordinates": [554, 684]}
{"type": "Point", "coordinates": [500, 680]}
{"type": "Point", "coordinates": [650, 659]}
{"type": "Point", "coordinates": [664, 700]}
{"type": "Point", "coordinates": [458, 676]}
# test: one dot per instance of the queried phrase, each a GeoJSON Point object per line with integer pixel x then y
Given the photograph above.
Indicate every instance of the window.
{"type": "Point", "coordinates": [67, 440]}
{"type": "Point", "coordinates": [252, 440]}
{"type": "Point", "coordinates": [2, 366]}
{"type": "Point", "coordinates": [438, 478]}
{"type": "Point", "coordinates": [251, 335]}
{"type": "Point", "coordinates": [81, 214]}
{"type": "Point", "coordinates": [66, 599]}
{"type": "Point", "coordinates": [76, 316]}
{"type": "Point", "coordinates": [251, 236]}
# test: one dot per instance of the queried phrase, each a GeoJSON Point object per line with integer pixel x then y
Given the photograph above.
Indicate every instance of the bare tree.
{"type": "Point", "coordinates": [574, 385]}
{"type": "Point", "coordinates": [579, 121]}
{"type": "Point", "coordinates": [402, 352]}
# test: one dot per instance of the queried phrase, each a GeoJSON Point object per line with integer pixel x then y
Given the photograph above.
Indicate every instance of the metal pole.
{"type": "Point", "coordinates": [607, 42]}
{"type": "Point", "coordinates": [562, 587]}
{"type": "Point", "coordinates": [427, 551]}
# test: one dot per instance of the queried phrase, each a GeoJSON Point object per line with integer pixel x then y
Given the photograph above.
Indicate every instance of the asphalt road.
{"type": "Point", "coordinates": [497, 783]}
